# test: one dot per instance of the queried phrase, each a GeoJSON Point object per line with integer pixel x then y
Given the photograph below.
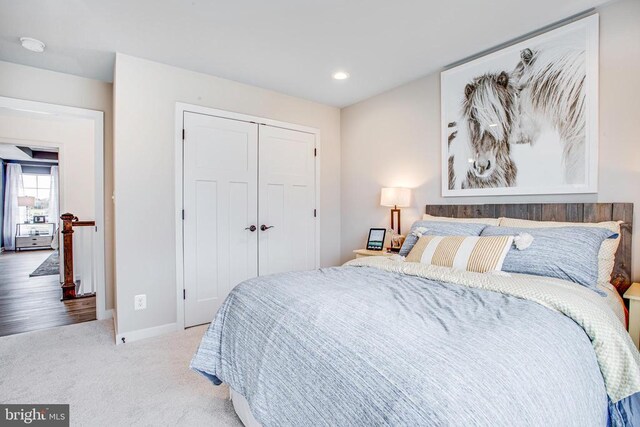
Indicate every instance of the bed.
{"type": "Point", "coordinates": [381, 341]}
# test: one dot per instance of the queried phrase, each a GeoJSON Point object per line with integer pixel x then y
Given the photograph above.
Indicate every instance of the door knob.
{"type": "Point", "coordinates": [266, 227]}
{"type": "Point", "coordinates": [252, 228]}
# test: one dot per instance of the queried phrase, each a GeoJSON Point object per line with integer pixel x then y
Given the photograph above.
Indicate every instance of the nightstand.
{"type": "Point", "coordinates": [633, 295]}
{"type": "Point", "coordinates": [362, 253]}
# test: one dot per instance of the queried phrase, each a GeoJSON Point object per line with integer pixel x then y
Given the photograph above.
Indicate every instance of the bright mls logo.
{"type": "Point", "coordinates": [34, 415]}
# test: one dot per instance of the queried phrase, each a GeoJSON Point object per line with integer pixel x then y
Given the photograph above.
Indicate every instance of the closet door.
{"type": "Point", "coordinates": [286, 201]}
{"type": "Point", "coordinates": [220, 202]}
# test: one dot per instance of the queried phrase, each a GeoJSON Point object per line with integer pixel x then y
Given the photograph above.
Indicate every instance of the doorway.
{"type": "Point", "coordinates": [51, 159]}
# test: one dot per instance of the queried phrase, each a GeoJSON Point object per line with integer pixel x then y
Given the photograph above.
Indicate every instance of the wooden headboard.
{"type": "Point", "coordinates": [566, 212]}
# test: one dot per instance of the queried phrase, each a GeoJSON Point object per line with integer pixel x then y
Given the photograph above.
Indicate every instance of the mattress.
{"type": "Point", "coordinates": [241, 406]}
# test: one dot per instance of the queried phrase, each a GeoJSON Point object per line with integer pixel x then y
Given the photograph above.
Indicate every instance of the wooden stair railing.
{"type": "Point", "coordinates": [69, 221]}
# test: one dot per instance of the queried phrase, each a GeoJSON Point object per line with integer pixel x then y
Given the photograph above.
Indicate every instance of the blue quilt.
{"type": "Point", "coordinates": [362, 346]}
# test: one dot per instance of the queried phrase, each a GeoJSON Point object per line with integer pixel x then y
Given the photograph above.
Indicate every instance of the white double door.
{"type": "Point", "coordinates": [249, 207]}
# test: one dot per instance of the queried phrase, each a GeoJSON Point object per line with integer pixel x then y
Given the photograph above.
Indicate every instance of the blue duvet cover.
{"type": "Point", "coordinates": [361, 346]}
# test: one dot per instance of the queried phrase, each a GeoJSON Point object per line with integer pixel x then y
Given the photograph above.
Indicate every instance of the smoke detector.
{"type": "Point", "coordinates": [34, 45]}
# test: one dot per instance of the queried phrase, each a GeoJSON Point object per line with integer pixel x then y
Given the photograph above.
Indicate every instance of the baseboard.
{"type": "Point", "coordinates": [141, 334]}
{"type": "Point", "coordinates": [114, 313]}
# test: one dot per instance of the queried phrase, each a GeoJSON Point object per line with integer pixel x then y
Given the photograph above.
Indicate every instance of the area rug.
{"type": "Point", "coordinates": [50, 266]}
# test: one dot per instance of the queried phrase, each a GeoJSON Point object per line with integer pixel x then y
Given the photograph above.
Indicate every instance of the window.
{"type": "Point", "coordinates": [38, 187]}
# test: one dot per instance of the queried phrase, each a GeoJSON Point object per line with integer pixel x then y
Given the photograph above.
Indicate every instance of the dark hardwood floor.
{"type": "Point", "coordinates": [31, 303]}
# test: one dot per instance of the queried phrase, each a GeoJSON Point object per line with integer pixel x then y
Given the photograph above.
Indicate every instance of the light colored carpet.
{"type": "Point", "coordinates": [142, 383]}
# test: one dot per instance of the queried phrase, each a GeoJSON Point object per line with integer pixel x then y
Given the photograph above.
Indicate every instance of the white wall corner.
{"type": "Point", "coordinates": [104, 314]}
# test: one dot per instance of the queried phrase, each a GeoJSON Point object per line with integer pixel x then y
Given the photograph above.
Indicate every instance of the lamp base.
{"type": "Point", "coordinates": [395, 212]}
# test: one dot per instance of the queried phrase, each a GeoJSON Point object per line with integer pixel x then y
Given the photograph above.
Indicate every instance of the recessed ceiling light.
{"type": "Point", "coordinates": [31, 44]}
{"type": "Point", "coordinates": [340, 75]}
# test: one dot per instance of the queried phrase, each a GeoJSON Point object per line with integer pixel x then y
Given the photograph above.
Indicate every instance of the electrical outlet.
{"type": "Point", "coordinates": [140, 302]}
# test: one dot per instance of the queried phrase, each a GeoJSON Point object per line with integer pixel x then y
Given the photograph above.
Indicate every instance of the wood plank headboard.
{"type": "Point", "coordinates": [565, 212]}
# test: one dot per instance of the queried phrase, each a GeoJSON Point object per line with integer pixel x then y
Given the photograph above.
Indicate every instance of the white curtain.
{"type": "Point", "coordinates": [54, 204]}
{"type": "Point", "coordinates": [13, 189]}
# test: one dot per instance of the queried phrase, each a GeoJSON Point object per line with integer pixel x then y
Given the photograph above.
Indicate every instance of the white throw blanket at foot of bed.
{"type": "Point", "coordinates": [384, 342]}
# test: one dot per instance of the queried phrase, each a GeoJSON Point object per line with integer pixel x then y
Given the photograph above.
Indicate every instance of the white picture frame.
{"type": "Point", "coordinates": [526, 106]}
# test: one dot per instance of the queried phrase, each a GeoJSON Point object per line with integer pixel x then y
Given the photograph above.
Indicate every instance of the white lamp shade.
{"type": "Point", "coordinates": [28, 201]}
{"type": "Point", "coordinates": [400, 197]}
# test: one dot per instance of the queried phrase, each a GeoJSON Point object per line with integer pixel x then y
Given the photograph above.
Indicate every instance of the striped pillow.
{"type": "Point", "coordinates": [439, 228]}
{"type": "Point", "coordinates": [470, 253]}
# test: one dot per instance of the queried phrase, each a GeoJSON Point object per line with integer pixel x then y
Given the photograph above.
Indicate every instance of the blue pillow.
{"type": "Point", "coordinates": [569, 253]}
{"type": "Point", "coordinates": [440, 228]}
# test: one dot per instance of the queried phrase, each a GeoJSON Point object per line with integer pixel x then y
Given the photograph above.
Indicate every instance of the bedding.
{"type": "Point", "coordinates": [470, 253]}
{"type": "Point", "coordinates": [568, 253]}
{"type": "Point", "coordinates": [439, 228]}
{"type": "Point", "coordinates": [384, 342]}
{"type": "Point", "coordinates": [607, 253]}
{"type": "Point", "coordinates": [615, 302]}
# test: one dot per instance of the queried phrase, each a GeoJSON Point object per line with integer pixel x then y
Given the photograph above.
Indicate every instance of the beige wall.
{"type": "Point", "coordinates": [145, 96]}
{"type": "Point", "coordinates": [393, 139]}
{"type": "Point", "coordinates": [75, 140]}
{"type": "Point", "coordinates": [34, 84]}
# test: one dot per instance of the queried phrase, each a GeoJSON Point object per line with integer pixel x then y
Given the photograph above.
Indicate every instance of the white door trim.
{"type": "Point", "coordinates": [98, 119]}
{"type": "Point", "coordinates": [182, 108]}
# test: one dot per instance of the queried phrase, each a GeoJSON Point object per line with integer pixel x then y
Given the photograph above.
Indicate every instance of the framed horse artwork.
{"type": "Point", "coordinates": [524, 119]}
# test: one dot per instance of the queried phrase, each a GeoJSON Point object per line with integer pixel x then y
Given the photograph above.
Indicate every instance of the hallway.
{"type": "Point", "coordinates": [32, 303]}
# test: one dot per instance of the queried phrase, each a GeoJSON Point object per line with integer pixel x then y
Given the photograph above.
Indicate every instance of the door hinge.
{"type": "Point", "coordinates": [315, 213]}
{"type": "Point", "coordinates": [183, 214]}
{"type": "Point", "coordinates": [96, 228]}
{"type": "Point", "coordinates": [183, 134]}
{"type": "Point", "coordinates": [315, 152]}
{"type": "Point", "coordinates": [184, 294]}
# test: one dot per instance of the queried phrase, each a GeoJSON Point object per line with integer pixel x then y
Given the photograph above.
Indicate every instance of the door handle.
{"type": "Point", "coordinates": [266, 227]}
{"type": "Point", "coordinates": [251, 229]}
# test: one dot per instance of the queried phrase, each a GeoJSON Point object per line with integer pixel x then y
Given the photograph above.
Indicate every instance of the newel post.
{"type": "Point", "coordinates": [69, 285]}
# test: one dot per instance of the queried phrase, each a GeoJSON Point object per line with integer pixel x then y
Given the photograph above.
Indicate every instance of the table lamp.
{"type": "Point", "coordinates": [395, 198]}
{"type": "Point", "coordinates": [28, 202]}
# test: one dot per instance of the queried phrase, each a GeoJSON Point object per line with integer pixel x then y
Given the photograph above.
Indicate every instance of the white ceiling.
{"type": "Point", "coordinates": [291, 46]}
{"type": "Point", "coordinates": [11, 152]}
